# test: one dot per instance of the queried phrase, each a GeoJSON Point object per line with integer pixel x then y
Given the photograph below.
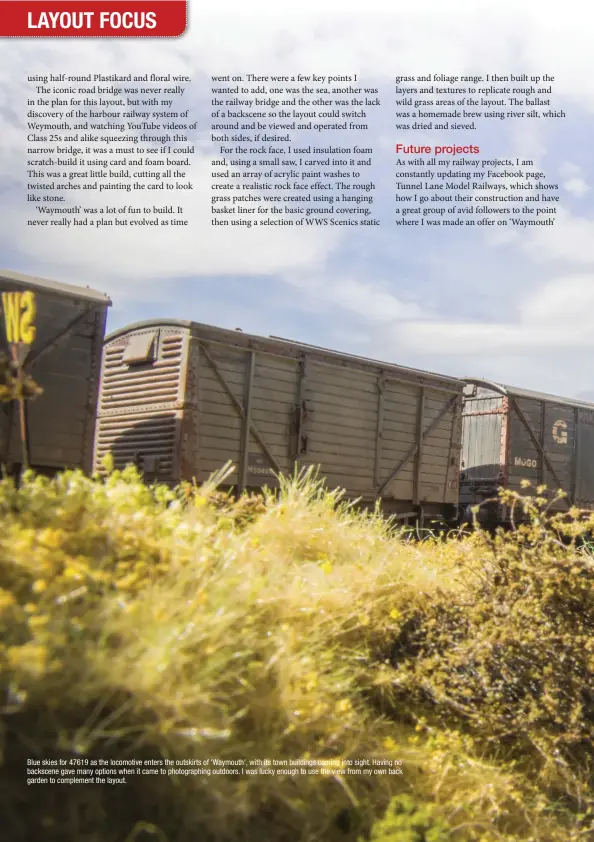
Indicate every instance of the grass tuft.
{"type": "Point", "coordinates": [183, 625]}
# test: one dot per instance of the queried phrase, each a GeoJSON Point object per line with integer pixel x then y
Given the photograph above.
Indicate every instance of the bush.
{"type": "Point", "coordinates": [406, 822]}
{"type": "Point", "coordinates": [182, 625]}
{"type": "Point", "coordinates": [11, 386]}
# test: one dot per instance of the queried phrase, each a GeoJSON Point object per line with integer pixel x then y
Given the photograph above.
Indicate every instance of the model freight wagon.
{"type": "Point", "coordinates": [180, 399]}
{"type": "Point", "coordinates": [513, 434]}
{"type": "Point", "coordinates": [59, 329]}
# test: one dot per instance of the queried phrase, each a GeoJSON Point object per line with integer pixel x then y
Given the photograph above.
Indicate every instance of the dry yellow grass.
{"type": "Point", "coordinates": [180, 625]}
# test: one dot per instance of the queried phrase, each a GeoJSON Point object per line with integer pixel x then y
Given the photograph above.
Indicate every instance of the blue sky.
{"type": "Point", "coordinates": [515, 307]}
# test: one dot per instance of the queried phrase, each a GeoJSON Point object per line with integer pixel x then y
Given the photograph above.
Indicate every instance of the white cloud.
{"type": "Point", "coordinates": [575, 182]}
{"type": "Point", "coordinates": [577, 186]}
{"type": "Point", "coordinates": [559, 315]}
{"type": "Point", "coordinates": [371, 301]}
{"type": "Point", "coordinates": [566, 303]}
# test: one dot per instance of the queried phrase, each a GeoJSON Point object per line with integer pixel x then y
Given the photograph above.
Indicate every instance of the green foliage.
{"type": "Point", "coordinates": [11, 387]}
{"type": "Point", "coordinates": [182, 624]}
{"type": "Point", "coordinates": [405, 821]}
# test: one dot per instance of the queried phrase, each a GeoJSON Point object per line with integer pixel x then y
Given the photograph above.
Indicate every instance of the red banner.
{"type": "Point", "coordinates": [93, 18]}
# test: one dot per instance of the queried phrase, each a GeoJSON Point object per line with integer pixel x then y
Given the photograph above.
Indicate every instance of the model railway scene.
{"type": "Point", "coordinates": [180, 399]}
{"type": "Point", "coordinates": [255, 589]}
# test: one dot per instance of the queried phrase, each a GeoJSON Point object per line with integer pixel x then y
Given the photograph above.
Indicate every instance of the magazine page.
{"type": "Point", "coordinates": [296, 421]}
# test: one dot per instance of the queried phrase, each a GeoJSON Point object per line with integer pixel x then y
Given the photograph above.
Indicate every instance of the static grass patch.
{"type": "Point", "coordinates": [184, 627]}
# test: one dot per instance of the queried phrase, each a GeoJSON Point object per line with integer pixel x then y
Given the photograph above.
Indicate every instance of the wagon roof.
{"type": "Point", "coordinates": [44, 285]}
{"type": "Point", "coordinates": [456, 382]}
{"type": "Point", "coordinates": [516, 392]}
